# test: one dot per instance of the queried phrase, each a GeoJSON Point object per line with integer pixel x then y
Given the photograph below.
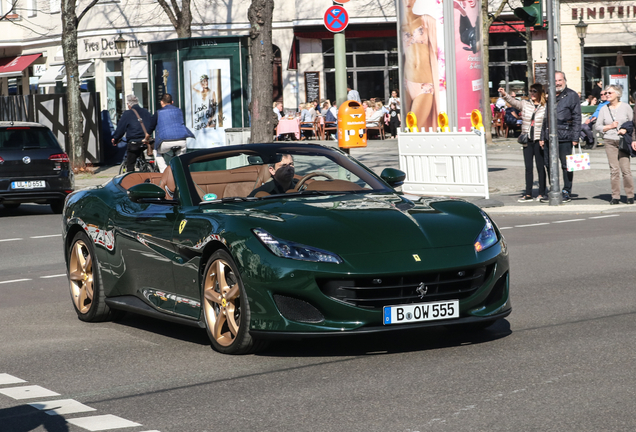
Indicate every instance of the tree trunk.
{"type": "Point", "coordinates": [260, 16]}
{"type": "Point", "coordinates": [75, 126]}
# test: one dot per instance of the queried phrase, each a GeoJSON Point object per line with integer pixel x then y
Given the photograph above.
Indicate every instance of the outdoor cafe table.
{"type": "Point", "coordinates": [286, 125]}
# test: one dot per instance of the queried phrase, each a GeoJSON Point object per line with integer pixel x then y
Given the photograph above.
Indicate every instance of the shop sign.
{"type": "Point", "coordinates": [604, 12]}
{"type": "Point", "coordinates": [105, 47]}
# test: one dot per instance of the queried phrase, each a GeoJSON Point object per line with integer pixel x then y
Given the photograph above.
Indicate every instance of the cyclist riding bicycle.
{"type": "Point", "coordinates": [135, 124]}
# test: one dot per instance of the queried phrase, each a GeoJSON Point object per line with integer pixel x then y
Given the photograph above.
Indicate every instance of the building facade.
{"type": "Point", "coordinates": [303, 48]}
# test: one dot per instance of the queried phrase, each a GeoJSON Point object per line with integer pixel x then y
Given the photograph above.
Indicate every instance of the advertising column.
{"type": "Point", "coordinates": [423, 60]}
{"type": "Point", "coordinates": [468, 61]}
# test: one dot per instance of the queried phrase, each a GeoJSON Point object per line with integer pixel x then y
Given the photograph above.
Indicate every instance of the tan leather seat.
{"type": "Point", "coordinates": [136, 178]}
{"type": "Point", "coordinates": [263, 176]}
{"type": "Point", "coordinates": [167, 183]}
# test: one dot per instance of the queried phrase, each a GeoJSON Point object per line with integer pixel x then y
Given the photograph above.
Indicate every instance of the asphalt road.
{"type": "Point", "coordinates": [563, 361]}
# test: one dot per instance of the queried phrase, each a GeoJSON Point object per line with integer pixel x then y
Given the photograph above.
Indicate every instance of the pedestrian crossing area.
{"type": "Point", "coordinates": [48, 408]}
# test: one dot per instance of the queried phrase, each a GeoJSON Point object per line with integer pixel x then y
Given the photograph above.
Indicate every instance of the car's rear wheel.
{"type": "Point", "coordinates": [11, 206]}
{"type": "Point", "coordinates": [225, 307]}
{"type": "Point", "coordinates": [86, 288]}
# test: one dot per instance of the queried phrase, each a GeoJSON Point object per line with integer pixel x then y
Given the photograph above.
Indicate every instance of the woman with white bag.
{"type": "Point", "coordinates": [610, 117]}
{"type": "Point", "coordinates": [532, 114]}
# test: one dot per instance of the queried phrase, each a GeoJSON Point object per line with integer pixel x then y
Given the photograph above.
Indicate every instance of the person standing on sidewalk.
{"type": "Point", "coordinates": [568, 115]}
{"type": "Point", "coordinates": [170, 131]}
{"type": "Point", "coordinates": [610, 119]}
{"type": "Point", "coordinates": [532, 114]}
{"type": "Point", "coordinates": [130, 124]}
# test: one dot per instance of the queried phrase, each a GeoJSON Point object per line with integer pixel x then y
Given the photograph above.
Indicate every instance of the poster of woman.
{"type": "Point", "coordinates": [424, 80]}
{"type": "Point", "coordinates": [468, 61]}
{"type": "Point", "coordinates": [208, 103]}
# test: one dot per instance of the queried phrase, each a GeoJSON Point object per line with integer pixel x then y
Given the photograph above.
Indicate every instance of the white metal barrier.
{"type": "Point", "coordinates": [444, 163]}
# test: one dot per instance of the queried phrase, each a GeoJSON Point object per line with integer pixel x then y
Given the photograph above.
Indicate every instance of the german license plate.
{"type": "Point", "coordinates": [28, 184]}
{"type": "Point", "coordinates": [411, 313]}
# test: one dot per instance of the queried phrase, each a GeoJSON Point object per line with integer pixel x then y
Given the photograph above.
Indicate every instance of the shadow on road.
{"type": "Point", "coordinates": [388, 343]}
{"type": "Point", "coordinates": [26, 210]}
{"type": "Point", "coordinates": [25, 418]}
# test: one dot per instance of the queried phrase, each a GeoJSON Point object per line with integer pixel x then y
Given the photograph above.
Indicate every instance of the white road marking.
{"type": "Point", "coordinates": [27, 392]}
{"type": "Point", "coordinates": [569, 220]}
{"type": "Point", "coordinates": [9, 379]}
{"type": "Point", "coordinates": [62, 406]}
{"type": "Point", "coordinates": [532, 225]}
{"type": "Point", "coordinates": [503, 228]}
{"type": "Point", "coordinates": [15, 280]}
{"type": "Point", "coordinates": [53, 276]}
{"type": "Point", "coordinates": [604, 216]}
{"type": "Point", "coordinates": [102, 422]}
{"type": "Point", "coordinates": [46, 236]}
{"type": "Point", "coordinates": [13, 239]}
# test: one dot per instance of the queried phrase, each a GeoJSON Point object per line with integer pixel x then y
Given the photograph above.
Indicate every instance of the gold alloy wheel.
{"type": "Point", "coordinates": [221, 293]}
{"type": "Point", "coordinates": [81, 276]}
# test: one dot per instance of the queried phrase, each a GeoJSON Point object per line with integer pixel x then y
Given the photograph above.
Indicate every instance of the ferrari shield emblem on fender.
{"type": "Point", "coordinates": [416, 257]}
{"type": "Point", "coordinates": [182, 225]}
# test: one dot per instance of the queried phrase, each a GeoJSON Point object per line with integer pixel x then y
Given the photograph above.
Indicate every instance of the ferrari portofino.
{"type": "Point", "coordinates": [265, 241]}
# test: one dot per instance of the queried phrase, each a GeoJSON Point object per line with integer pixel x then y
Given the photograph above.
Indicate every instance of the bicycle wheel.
{"type": "Point", "coordinates": [122, 167]}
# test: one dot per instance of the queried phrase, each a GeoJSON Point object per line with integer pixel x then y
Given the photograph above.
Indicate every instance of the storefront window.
{"type": "Point", "coordinates": [371, 67]}
{"type": "Point", "coordinates": [507, 63]}
{"type": "Point", "coordinates": [15, 86]}
{"type": "Point", "coordinates": [113, 90]}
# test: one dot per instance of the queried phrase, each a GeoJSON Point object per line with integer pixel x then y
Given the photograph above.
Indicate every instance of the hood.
{"type": "Point", "coordinates": [360, 224]}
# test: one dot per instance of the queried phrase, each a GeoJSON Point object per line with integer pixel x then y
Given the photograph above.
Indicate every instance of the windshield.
{"type": "Point", "coordinates": [282, 172]}
{"type": "Point", "coordinates": [26, 137]}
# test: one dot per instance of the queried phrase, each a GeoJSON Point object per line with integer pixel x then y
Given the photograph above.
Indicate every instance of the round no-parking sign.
{"type": "Point", "coordinates": [336, 19]}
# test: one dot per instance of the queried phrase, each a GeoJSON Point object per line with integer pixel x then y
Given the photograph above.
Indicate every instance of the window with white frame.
{"type": "Point", "coordinates": [32, 8]}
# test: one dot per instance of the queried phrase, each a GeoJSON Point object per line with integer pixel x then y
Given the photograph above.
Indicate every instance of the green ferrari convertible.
{"type": "Point", "coordinates": [263, 241]}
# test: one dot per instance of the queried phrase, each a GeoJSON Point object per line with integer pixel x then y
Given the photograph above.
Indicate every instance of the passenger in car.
{"type": "Point", "coordinates": [282, 177]}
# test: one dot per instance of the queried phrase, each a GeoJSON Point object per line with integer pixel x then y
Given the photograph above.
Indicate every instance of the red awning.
{"type": "Point", "coordinates": [13, 66]}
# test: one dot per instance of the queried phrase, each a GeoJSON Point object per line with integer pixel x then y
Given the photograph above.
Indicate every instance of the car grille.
{"type": "Point", "coordinates": [376, 292]}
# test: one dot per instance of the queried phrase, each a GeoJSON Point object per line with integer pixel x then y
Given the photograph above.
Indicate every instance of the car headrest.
{"type": "Point", "coordinates": [263, 176]}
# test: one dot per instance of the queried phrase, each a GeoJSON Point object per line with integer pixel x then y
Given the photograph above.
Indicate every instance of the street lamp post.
{"type": "Point", "coordinates": [581, 32]}
{"type": "Point", "coordinates": [120, 45]}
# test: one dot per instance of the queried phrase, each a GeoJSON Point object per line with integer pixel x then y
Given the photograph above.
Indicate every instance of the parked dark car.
{"type": "Point", "coordinates": [33, 166]}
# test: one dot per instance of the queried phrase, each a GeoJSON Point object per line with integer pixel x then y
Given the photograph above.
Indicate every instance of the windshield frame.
{"type": "Point", "coordinates": [268, 153]}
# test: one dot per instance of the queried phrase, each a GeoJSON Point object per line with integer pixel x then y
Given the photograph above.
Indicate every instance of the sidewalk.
{"type": "Point", "coordinates": [506, 178]}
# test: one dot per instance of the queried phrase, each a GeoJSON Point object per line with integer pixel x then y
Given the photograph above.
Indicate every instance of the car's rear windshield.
{"type": "Point", "coordinates": [27, 137]}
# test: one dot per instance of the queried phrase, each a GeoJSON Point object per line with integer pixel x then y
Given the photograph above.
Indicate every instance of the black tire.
{"type": "Point", "coordinates": [87, 293]}
{"type": "Point", "coordinates": [57, 206]}
{"type": "Point", "coordinates": [222, 296]}
{"type": "Point", "coordinates": [11, 206]}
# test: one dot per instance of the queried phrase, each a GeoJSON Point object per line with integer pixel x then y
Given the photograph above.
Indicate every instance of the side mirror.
{"type": "Point", "coordinates": [145, 191]}
{"type": "Point", "coordinates": [394, 177]}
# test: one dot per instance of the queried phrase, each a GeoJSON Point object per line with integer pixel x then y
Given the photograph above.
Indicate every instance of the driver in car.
{"type": "Point", "coordinates": [282, 177]}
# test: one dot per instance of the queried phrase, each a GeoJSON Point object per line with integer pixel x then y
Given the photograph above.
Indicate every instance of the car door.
{"type": "Point", "coordinates": [145, 251]}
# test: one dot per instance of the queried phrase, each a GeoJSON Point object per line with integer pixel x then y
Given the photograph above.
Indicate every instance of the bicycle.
{"type": "Point", "coordinates": [141, 164]}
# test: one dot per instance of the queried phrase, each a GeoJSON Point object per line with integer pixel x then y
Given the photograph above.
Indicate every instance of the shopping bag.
{"type": "Point", "coordinates": [578, 161]}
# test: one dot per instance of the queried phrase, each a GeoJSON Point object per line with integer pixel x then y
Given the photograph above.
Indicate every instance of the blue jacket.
{"type": "Point", "coordinates": [168, 125]}
{"type": "Point", "coordinates": [601, 105]}
{"type": "Point", "coordinates": [129, 125]}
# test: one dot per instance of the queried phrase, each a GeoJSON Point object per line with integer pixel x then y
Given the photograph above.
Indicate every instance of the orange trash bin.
{"type": "Point", "coordinates": [352, 125]}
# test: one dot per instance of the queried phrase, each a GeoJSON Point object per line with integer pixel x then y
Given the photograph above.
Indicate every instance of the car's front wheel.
{"type": "Point", "coordinates": [86, 289]}
{"type": "Point", "coordinates": [225, 307]}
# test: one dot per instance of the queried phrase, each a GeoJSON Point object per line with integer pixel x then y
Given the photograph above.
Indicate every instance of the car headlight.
{"type": "Point", "coordinates": [487, 237]}
{"type": "Point", "coordinates": [288, 249]}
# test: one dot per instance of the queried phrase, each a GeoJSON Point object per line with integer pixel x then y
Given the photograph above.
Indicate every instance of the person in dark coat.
{"type": "Point", "coordinates": [568, 130]}
{"type": "Point", "coordinates": [130, 126]}
{"type": "Point", "coordinates": [170, 131]}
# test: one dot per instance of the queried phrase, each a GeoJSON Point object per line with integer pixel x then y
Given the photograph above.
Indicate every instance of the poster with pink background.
{"type": "Point", "coordinates": [468, 59]}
